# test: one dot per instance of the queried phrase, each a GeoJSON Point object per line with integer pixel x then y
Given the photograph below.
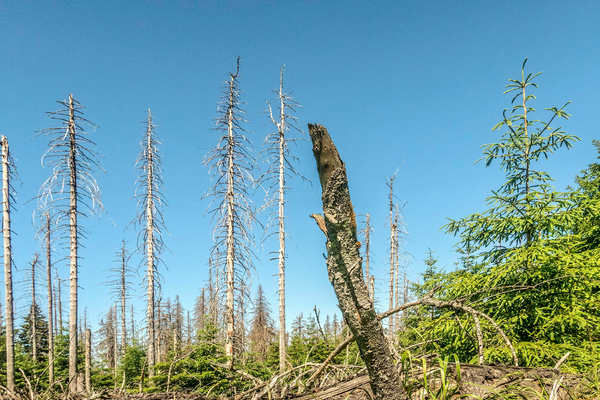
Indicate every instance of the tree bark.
{"type": "Point", "coordinates": [150, 251]}
{"type": "Point", "coordinates": [344, 266]}
{"type": "Point", "coordinates": [281, 255]}
{"type": "Point", "coordinates": [6, 232]}
{"type": "Point", "coordinates": [229, 262]}
{"type": "Point", "coordinates": [73, 250]}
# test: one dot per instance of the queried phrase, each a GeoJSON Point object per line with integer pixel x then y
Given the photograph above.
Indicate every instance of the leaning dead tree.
{"type": "Point", "coordinates": [8, 198]}
{"type": "Point", "coordinates": [232, 211]}
{"type": "Point", "coordinates": [150, 218]}
{"type": "Point", "coordinates": [344, 266]}
{"type": "Point", "coordinates": [280, 161]}
{"type": "Point", "coordinates": [69, 192]}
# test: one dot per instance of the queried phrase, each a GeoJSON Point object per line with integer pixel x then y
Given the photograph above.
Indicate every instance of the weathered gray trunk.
{"type": "Point", "coordinates": [150, 252]}
{"type": "Point", "coordinates": [229, 262]}
{"type": "Point", "coordinates": [50, 304]}
{"type": "Point", "coordinates": [392, 258]}
{"type": "Point", "coordinates": [8, 289]}
{"type": "Point", "coordinates": [281, 200]}
{"type": "Point", "coordinates": [344, 266]}
{"type": "Point", "coordinates": [73, 250]}
{"type": "Point", "coordinates": [123, 297]}
{"type": "Point", "coordinates": [34, 343]}
{"type": "Point", "coordinates": [59, 301]}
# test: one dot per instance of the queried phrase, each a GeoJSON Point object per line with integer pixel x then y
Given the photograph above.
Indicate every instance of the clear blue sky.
{"type": "Point", "coordinates": [391, 80]}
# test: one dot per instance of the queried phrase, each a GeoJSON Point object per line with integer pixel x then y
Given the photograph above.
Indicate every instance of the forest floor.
{"type": "Point", "coordinates": [478, 381]}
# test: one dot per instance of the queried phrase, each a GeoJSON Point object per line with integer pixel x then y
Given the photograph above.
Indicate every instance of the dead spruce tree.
{"type": "Point", "coordinates": [280, 161]}
{"type": "Point", "coordinates": [150, 218]}
{"type": "Point", "coordinates": [46, 232]}
{"type": "Point", "coordinates": [393, 251]}
{"type": "Point", "coordinates": [120, 284]}
{"type": "Point", "coordinates": [34, 307]}
{"type": "Point", "coordinates": [69, 192]}
{"type": "Point", "coordinates": [232, 211]}
{"type": "Point", "coordinates": [8, 197]}
{"type": "Point", "coordinates": [344, 266]}
{"type": "Point", "coordinates": [366, 234]}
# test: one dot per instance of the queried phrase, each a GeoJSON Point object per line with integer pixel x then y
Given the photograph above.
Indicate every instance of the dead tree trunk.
{"type": "Point", "coordinates": [345, 269]}
{"type": "Point", "coordinates": [393, 248]}
{"type": "Point", "coordinates": [34, 342]}
{"type": "Point", "coordinates": [150, 205]}
{"type": "Point", "coordinates": [48, 243]}
{"type": "Point", "coordinates": [88, 360]}
{"type": "Point", "coordinates": [8, 291]}
{"type": "Point", "coordinates": [73, 246]}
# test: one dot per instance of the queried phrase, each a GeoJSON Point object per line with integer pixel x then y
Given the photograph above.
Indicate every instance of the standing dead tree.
{"type": "Point", "coordinates": [232, 211]}
{"type": "Point", "coordinates": [34, 308]}
{"type": "Point", "coordinates": [46, 231]}
{"type": "Point", "coordinates": [393, 251]}
{"type": "Point", "coordinates": [120, 284]}
{"type": "Point", "coordinates": [150, 217]}
{"type": "Point", "coordinates": [344, 266]}
{"type": "Point", "coordinates": [280, 165]}
{"type": "Point", "coordinates": [8, 197]}
{"type": "Point", "coordinates": [67, 193]}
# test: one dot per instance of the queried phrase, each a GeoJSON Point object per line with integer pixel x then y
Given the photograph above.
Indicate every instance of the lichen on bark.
{"type": "Point", "coordinates": [344, 267]}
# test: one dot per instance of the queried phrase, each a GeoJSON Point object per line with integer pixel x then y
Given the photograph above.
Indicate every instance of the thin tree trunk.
{"type": "Point", "coordinates": [50, 303]}
{"type": "Point", "coordinates": [116, 340]}
{"type": "Point", "coordinates": [73, 287]}
{"type": "Point", "coordinates": [392, 257]}
{"type": "Point", "coordinates": [8, 289]}
{"type": "Point", "coordinates": [282, 327]}
{"type": "Point", "coordinates": [397, 274]}
{"type": "Point", "coordinates": [150, 251]}
{"type": "Point", "coordinates": [367, 247]}
{"type": "Point", "coordinates": [59, 298]}
{"type": "Point", "coordinates": [123, 296]}
{"type": "Point", "coordinates": [88, 360]}
{"type": "Point", "coordinates": [34, 342]}
{"type": "Point", "coordinates": [229, 262]}
{"type": "Point", "coordinates": [345, 269]}
{"type": "Point", "coordinates": [133, 338]}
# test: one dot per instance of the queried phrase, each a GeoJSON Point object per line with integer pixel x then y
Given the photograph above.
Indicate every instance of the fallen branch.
{"type": "Point", "coordinates": [429, 301]}
{"type": "Point", "coordinates": [331, 356]}
{"type": "Point", "coordinates": [562, 360]}
{"type": "Point", "coordinates": [239, 372]}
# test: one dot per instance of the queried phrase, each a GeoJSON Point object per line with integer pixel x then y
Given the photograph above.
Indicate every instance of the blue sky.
{"type": "Point", "coordinates": [393, 81]}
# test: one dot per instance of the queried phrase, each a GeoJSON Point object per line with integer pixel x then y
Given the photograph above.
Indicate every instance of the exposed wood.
{"type": "Point", "coordinates": [338, 389]}
{"type": "Point", "coordinates": [345, 269]}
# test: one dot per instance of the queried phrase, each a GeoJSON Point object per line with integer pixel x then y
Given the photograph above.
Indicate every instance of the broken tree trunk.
{"type": "Point", "coordinates": [345, 269]}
